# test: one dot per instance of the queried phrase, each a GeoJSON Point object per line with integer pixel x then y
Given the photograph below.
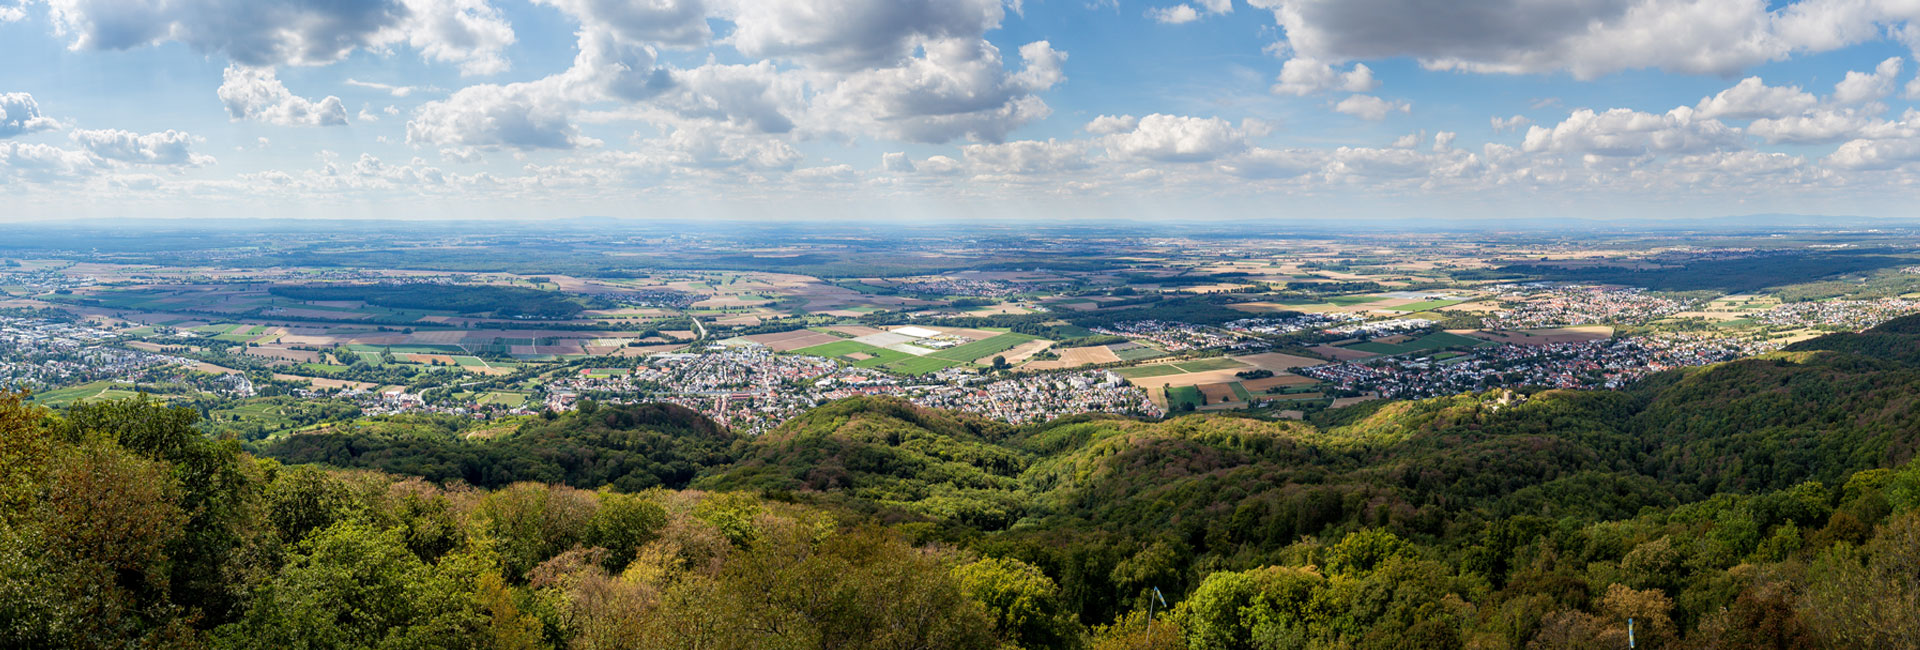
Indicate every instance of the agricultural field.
{"type": "Point", "coordinates": [967, 353]}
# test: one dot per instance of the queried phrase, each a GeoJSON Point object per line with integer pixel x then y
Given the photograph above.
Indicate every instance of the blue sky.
{"type": "Point", "coordinates": [902, 109]}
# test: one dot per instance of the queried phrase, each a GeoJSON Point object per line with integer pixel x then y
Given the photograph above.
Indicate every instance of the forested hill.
{"type": "Point", "coordinates": [1772, 502]}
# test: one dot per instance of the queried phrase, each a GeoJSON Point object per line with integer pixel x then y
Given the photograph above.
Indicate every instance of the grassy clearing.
{"type": "Point", "coordinates": [982, 348]}
{"type": "Point", "coordinates": [1240, 392]}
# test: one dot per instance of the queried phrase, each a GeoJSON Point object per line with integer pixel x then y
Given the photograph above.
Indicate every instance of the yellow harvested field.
{"type": "Point", "coordinates": [1018, 354]}
{"type": "Point", "coordinates": [1217, 393]}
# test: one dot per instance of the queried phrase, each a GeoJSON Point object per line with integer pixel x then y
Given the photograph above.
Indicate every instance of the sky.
{"type": "Point", "coordinates": [1203, 110]}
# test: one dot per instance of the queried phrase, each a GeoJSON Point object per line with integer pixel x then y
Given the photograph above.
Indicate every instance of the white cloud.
{"type": "Point", "coordinates": [45, 163]}
{"type": "Point", "coordinates": [958, 88]}
{"type": "Point", "coordinates": [680, 23]}
{"type": "Point", "coordinates": [396, 91]}
{"type": "Point", "coordinates": [1515, 123]}
{"type": "Point", "coordinates": [538, 114]}
{"type": "Point", "coordinates": [530, 115]}
{"type": "Point", "coordinates": [755, 96]}
{"type": "Point", "coordinates": [1814, 127]}
{"type": "Point", "coordinates": [260, 33]}
{"type": "Point", "coordinates": [19, 114]}
{"type": "Point", "coordinates": [1861, 87]}
{"type": "Point", "coordinates": [896, 162]}
{"type": "Point", "coordinates": [1753, 98]}
{"type": "Point", "coordinates": [1110, 124]}
{"type": "Point", "coordinates": [1368, 107]}
{"type": "Point", "coordinates": [848, 35]}
{"type": "Point", "coordinates": [1866, 154]}
{"type": "Point", "coordinates": [1299, 76]}
{"type": "Point", "coordinates": [163, 148]}
{"type": "Point", "coordinates": [255, 94]}
{"type": "Point", "coordinates": [1626, 132]}
{"type": "Point", "coordinates": [1275, 163]}
{"type": "Point", "coordinates": [833, 173]}
{"type": "Point", "coordinates": [1174, 15]}
{"type": "Point", "coordinates": [1587, 38]}
{"type": "Point", "coordinates": [1026, 156]}
{"type": "Point", "coordinates": [1176, 138]}
{"type": "Point", "coordinates": [469, 33]}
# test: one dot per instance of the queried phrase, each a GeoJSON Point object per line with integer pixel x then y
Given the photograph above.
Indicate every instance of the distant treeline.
{"type": "Point", "coordinates": [462, 299]}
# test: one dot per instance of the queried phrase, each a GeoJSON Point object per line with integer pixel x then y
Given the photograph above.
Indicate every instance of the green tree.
{"type": "Point", "coordinates": [1024, 603]}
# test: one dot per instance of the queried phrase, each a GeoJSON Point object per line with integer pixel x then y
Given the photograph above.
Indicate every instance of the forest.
{"type": "Point", "coordinates": [1772, 502]}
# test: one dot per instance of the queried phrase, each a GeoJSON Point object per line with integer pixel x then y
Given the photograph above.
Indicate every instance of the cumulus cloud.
{"type": "Point", "coordinates": [1753, 98]}
{"type": "Point", "coordinates": [1177, 138]}
{"type": "Point", "coordinates": [19, 114]}
{"type": "Point", "coordinates": [1174, 15]}
{"type": "Point", "coordinates": [164, 148]}
{"type": "Point", "coordinates": [1626, 132]}
{"type": "Point", "coordinates": [521, 115]}
{"type": "Point", "coordinates": [45, 163]}
{"type": "Point", "coordinates": [1303, 77]}
{"type": "Point", "coordinates": [958, 88]}
{"type": "Point", "coordinates": [1026, 156]}
{"type": "Point", "coordinates": [539, 114]}
{"type": "Point", "coordinates": [1515, 123]}
{"type": "Point", "coordinates": [1111, 124]}
{"type": "Point", "coordinates": [896, 162]}
{"type": "Point", "coordinates": [256, 94]}
{"type": "Point", "coordinates": [1587, 38]}
{"type": "Point", "coordinates": [1813, 127]}
{"type": "Point", "coordinates": [667, 22]}
{"type": "Point", "coordinates": [1866, 154]}
{"type": "Point", "coordinates": [850, 35]}
{"type": "Point", "coordinates": [1368, 107]}
{"type": "Point", "coordinates": [259, 33]}
{"type": "Point", "coordinates": [1862, 87]}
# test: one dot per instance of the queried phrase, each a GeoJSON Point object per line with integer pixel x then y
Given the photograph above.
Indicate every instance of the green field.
{"type": "Point", "coordinates": [92, 391]}
{"type": "Point", "coordinates": [1177, 396]}
{"type": "Point", "coordinates": [1203, 365]}
{"type": "Point", "coordinates": [465, 360]}
{"type": "Point", "coordinates": [502, 398]}
{"type": "Point", "coordinates": [1139, 372]}
{"type": "Point", "coordinates": [1141, 353]}
{"type": "Point", "coordinates": [1439, 340]}
{"type": "Point", "coordinates": [1377, 347]}
{"type": "Point", "coordinates": [840, 350]}
{"type": "Point", "coordinates": [982, 348]}
{"type": "Point", "coordinates": [920, 365]}
{"type": "Point", "coordinates": [1434, 341]}
{"type": "Point", "coordinates": [1240, 392]}
{"type": "Point", "coordinates": [1430, 304]}
{"type": "Point", "coordinates": [1347, 301]}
